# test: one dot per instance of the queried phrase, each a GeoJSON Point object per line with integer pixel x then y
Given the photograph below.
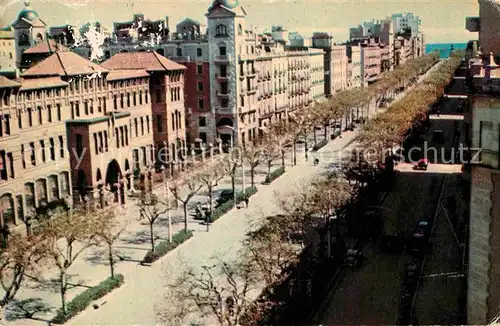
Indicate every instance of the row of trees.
{"type": "Point", "coordinates": [227, 291]}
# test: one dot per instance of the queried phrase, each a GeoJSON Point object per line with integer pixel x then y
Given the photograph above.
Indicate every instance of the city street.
{"type": "Point", "coordinates": [136, 301]}
{"type": "Point", "coordinates": [371, 295]}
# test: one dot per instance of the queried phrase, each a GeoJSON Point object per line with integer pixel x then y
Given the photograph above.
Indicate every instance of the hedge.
{"type": "Point", "coordinates": [227, 206]}
{"type": "Point", "coordinates": [83, 300]}
{"type": "Point", "coordinates": [274, 175]}
{"type": "Point", "coordinates": [319, 145]}
{"type": "Point", "coordinates": [163, 247]}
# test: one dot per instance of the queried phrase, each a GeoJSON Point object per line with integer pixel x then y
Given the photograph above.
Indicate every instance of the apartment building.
{"type": "Point", "coordinates": [166, 86]}
{"type": "Point", "coordinates": [483, 118]}
{"type": "Point", "coordinates": [339, 65]}
{"type": "Point", "coordinates": [354, 78]}
{"type": "Point", "coordinates": [371, 61]}
{"type": "Point", "coordinates": [8, 53]}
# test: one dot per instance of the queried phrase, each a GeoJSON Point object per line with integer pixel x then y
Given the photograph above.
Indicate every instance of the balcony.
{"type": "Point", "coordinates": [222, 94]}
{"type": "Point", "coordinates": [222, 59]}
{"type": "Point", "coordinates": [221, 77]}
{"type": "Point", "coordinates": [252, 89]}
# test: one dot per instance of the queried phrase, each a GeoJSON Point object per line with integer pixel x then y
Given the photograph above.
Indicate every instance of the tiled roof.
{"type": "Point", "coordinates": [46, 47]}
{"type": "Point", "coordinates": [126, 74]}
{"type": "Point", "coordinates": [62, 64]}
{"type": "Point", "coordinates": [37, 83]}
{"type": "Point", "coordinates": [149, 61]}
{"type": "Point", "coordinates": [6, 83]}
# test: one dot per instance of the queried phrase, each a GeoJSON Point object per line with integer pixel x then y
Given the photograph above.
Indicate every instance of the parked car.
{"type": "Point", "coordinates": [353, 257]}
{"type": "Point", "coordinates": [422, 164]}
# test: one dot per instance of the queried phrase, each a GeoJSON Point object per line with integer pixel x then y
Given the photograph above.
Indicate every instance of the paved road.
{"type": "Point", "coordinates": [370, 295]}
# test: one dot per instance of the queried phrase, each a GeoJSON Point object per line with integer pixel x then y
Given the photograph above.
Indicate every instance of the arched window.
{"type": "Point", "coordinates": [24, 39]}
{"type": "Point", "coordinates": [221, 30]}
{"type": "Point", "coordinates": [39, 37]}
{"type": "Point", "coordinates": [240, 29]}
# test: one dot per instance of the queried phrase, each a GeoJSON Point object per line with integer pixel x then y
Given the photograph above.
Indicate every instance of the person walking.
{"type": "Point", "coordinates": [247, 199]}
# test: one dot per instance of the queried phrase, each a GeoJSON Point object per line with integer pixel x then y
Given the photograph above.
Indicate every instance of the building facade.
{"type": "Point", "coordinates": [370, 63]}
{"type": "Point", "coordinates": [339, 68]}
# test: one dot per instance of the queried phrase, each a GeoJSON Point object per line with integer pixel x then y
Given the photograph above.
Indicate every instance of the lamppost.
{"type": "Point", "coordinates": [167, 196]}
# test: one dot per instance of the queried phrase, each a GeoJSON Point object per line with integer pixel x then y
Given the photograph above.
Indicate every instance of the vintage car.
{"type": "Point", "coordinates": [422, 164]}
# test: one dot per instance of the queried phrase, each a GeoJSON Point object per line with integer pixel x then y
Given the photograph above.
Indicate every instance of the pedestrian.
{"type": "Point", "coordinates": [247, 199]}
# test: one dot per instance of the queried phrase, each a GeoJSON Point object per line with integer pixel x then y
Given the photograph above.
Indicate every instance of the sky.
{"type": "Point", "coordinates": [443, 21]}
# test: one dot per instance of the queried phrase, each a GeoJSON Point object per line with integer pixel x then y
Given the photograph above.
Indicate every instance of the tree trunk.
{"type": "Point", "coordinates": [252, 173]}
{"type": "Point", "coordinates": [314, 132]}
{"type": "Point", "coordinates": [184, 206]}
{"type": "Point", "coordinates": [63, 286]}
{"type": "Point", "coordinates": [269, 168]}
{"type": "Point", "coordinates": [325, 131]}
{"type": "Point", "coordinates": [3, 320]}
{"type": "Point", "coordinates": [111, 260]}
{"type": "Point", "coordinates": [306, 149]}
{"type": "Point", "coordinates": [152, 235]}
{"type": "Point", "coordinates": [294, 153]}
{"type": "Point", "coordinates": [210, 195]}
{"type": "Point", "coordinates": [233, 186]}
{"type": "Point", "coordinates": [283, 159]}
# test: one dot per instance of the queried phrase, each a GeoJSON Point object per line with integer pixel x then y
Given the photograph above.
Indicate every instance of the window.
{"type": "Point", "coordinates": [86, 107]}
{"type": "Point", "coordinates": [52, 149]}
{"type": "Point", "coordinates": [142, 126]}
{"type": "Point", "coordinates": [61, 146]}
{"type": "Point", "coordinates": [159, 123]}
{"type": "Point", "coordinates": [200, 86]}
{"type": "Point", "coordinates": [128, 99]}
{"type": "Point", "coordinates": [77, 109]}
{"type": "Point", "coordinates": [79, 145]}
{"type": "Point", "coordinates": [223, 88]}
{"type": "Point", "coordinates": [199, 53]}
{"type": "Point", "coordinates": [240, 29]}
{"type": "Point", "coordinates": [7, 124]}
{"type": "Point", "coordinates": [122, 136]}
{"type": "Point", "coordinates": [105, 140]}
{"type": "Point", "coordinates": [3, 171]}
{"type": "Point", "coordinates": [199, 69]}
{"type": "Point", "coordinates": [121, 101]}
{"type": "Point", "coordinates": [179, 52]}
{"type": "Point", "coordinates": [42, 149]}
{"type": "Point", "coordinates": [223, 71]}
{"type": "Point", "coordinates": [203, 137]}
{"type": "Point", "coordinates": [126, 135]}
{"type": "Point", "coordinates": [117, 137]}
{"type": "Point", "coordinates": [96, 146]}
{"type": "Point", "coordinates": [11, 165]}
{"type": "Point", "coordinates": [140, 97]}
{"type": "Point", "coordinates": [59, 118]}
{"type": "Point", "coordinates": [30, 117]}
{"type": "Point", "coordinates": [39, 109]}
{"type": "Point", "coordinates": [136, 127]}
{"type": "Point", "coordinates": [222, 50]}
{"type": "Point", "coordinates": [135, 98]}
{"type": "Point", "coordinates": [49, 113]}
{"type": "Point", "coordinates": [224, 103]}
{"type": "Point", "coordinates": [202, 122]}
{"type": "Point", "coordinates": [158, 95]}
{"type": "Point", "coordinates": [201, 103]}
{"type": "Point", "coordinates": [145, 97]}
{"type": "Point", "coordinates": [22, 157]}
{"type": "Point", "coordinates": [221, 30]}
{"type": "Point", "coordinates": [147, 124]}
{"type": "Point", "coordinates": [101, 143]}
{"type": "Point", "coordinates": [91, 107]}
{"type": "Point", "coordinates": [173, 122]}
{"type": "Point", "coordinates": [115, 105]}
{"type": "Point", "coordinates": [33, 154]}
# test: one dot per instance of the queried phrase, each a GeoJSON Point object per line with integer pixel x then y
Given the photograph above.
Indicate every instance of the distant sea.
{"type": "Point", "coordinates": [444, 48]}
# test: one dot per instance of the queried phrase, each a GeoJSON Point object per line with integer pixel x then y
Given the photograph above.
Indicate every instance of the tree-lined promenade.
{"type": "Point", "coordinates": [352, 105]}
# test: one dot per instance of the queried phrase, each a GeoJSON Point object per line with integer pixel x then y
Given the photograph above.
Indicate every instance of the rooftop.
{"type": "Point", "coordinates": [49, 46]}
{"type": "Point", "coordinates": [39, 83]}
{"type": "Point", "coordinates": [126, 74]}
{"type": "Point", "coordinates": [7, 83]}
{"type": "Point", "coordinates": [149, 61]}
{"type": "Point", "coordinates": [64, 64]}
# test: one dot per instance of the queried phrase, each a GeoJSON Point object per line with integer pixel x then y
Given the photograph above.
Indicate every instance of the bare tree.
{"type": "Point", "coordinates": [279, 134]}
{"type": "Point", "coordinates": [24, 254]}
{"type": "Point", "coordinates": [109, 231]}
{"type": "Point", "coordinates": [270, 152]}
{"type": "Point", "coordinates": [210, 175]}
{"type": "Point", "coordinates": [222, 291]}
{"type": "Point", "coordinates": [230, 163]}
{"type": "Point", "coordinates": [184, 188]}
{"type": "Point", "coordinates": [69, 233]}
{"type": "Point", "coordinates": [152, 208]}
{"type": "Point", "coordinates": [252, 155]}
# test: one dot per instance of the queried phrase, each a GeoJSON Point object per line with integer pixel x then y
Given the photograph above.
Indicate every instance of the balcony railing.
{"type": "Point", "coordinates": [221, 94]}
{"type": "Point", "coordinates": [222, 77]}
{"type": "Point", "coordinates": [222, 58]}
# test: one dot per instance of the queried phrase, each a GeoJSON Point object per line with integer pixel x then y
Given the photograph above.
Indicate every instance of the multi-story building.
{"type": "Point", "coordinates": [370, 63]}
{"type": "Point", "coordinates": [66, 34]}
{"type": "Point", "coordinates": [339, 67]}
{"type": "Point", "coordinates": [166, 85]}
{"type": "Point", "coordinates": [483, 119]}
{"type": "Point", "coordinates": [40, 51]}
{"type": "Point", "coordinates": [140, 30]}
{"type": "Point", "coordinates": [8, 53]}
{"type": "Point", "coordinates": [406, 21]}
{"type": "Point", "coordinates": [34, 154]}
{"type": "Point", "coordinates": [355, 75]}
{"type": "Point", "coordinates": [324, 41]}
